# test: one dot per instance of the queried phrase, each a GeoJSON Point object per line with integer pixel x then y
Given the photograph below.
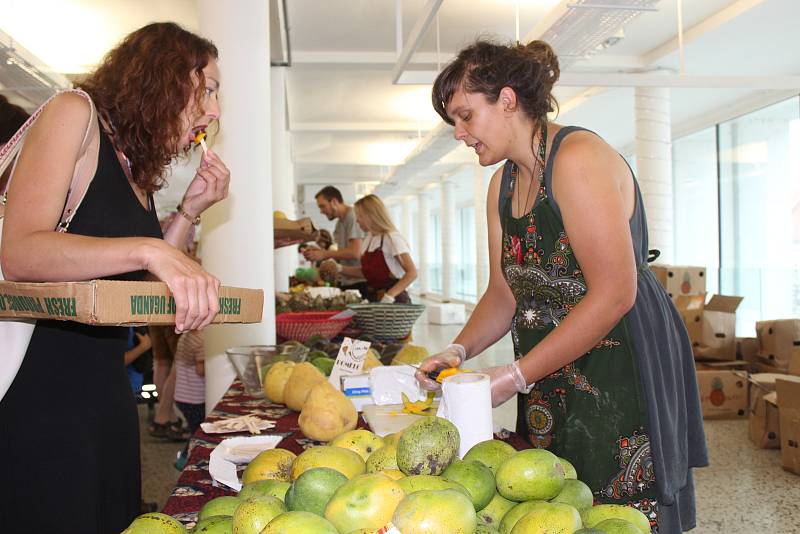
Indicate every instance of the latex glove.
{"type": "Point", "coordinates": [387, 299]}
{"type": "Point", "coordinates": [507, 381]}
{"type": "Point", "coordinates": [452, 356]}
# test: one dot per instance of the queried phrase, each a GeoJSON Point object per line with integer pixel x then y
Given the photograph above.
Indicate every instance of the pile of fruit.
{"type": "Point", "coordinates": [298, 300]}
{"type": "Point", "coordinates": [359, 483]}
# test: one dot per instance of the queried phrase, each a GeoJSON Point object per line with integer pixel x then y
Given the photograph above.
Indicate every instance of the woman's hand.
{"type": "Point", "coordinates": [452, 356]}
{"type": "Point", "coordinates": [506, 381]}
{"type": "Point", "coordinates": [209, 186]}
{"type": "Point", "coordinates": [196, 292]}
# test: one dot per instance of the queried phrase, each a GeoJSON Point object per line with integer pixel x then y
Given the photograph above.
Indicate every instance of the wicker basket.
{"type": "Point", "coordinates": [387, 322]}
{"type": "Point", "coordinates": [299, 326]}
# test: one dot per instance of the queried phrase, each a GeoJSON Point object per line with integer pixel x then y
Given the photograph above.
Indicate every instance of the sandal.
{"type": "Point", "coordinates": [172, 430]}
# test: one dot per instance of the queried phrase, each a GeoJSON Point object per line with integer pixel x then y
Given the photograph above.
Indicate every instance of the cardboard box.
{"type": "Point", "coordinates": [723, 391]}
{"type": "Point", "coordinates": [763, 422]}
{"type": "Point", "coordinates": [747, 349]}
{"type": "Point", "coordinates": [681, 279]}
{"type": "Point", "coordinates": [292, 232]}
{"type": "Point", "coordinates": [789, 415]}
{"type": "Point", "coordinates": [446, 313]}
{"type": "Point", "coordinates": [712, 326]}
{"type": "Point", "coordinates": [107, 302]}
{"type": "Point", "coordinates": [777, 339]}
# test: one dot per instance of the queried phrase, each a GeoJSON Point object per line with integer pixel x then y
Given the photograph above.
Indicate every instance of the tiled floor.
{"type": "Point", "coordinates": [744, 491]}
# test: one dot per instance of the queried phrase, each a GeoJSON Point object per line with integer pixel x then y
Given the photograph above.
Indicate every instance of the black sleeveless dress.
{"type": "Point", "coordinates": [70, 436]}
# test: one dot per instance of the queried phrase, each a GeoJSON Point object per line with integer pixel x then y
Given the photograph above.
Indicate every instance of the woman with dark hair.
{"type": "Point", "coordinates": [74, 466]}
{"type": "Point", "coordinates": [603, 371]}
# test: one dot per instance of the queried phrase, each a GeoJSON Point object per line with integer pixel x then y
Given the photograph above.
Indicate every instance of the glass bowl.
{"type": "Point", "coordinates": [252, 362]}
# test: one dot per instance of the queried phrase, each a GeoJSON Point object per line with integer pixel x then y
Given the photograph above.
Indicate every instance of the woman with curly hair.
{"type": "Point", "coordinates": [603, 373]}
{"type": "Point", "coordinates": [74, 467]}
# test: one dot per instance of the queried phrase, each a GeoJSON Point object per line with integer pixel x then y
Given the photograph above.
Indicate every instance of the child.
{"type": "Point", "coordinates": [190, 386]}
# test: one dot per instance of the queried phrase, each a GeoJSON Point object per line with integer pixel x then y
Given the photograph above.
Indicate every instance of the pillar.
{"type": "Point", "coordinates": [447, 224]}
{"type": "Point", "coordinates": [481, 231]}
{"type": "Point", "coordinates": [237, 233]}
{"type": "Point", "coordinates": [654, 166]}
{"type": "Point", "coordinates": [423, 227]}
{"type": "Point", "coordinates": [286, 259]}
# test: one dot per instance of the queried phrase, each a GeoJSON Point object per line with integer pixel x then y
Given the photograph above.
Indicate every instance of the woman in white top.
{"type": "Point", "coordinates": [386, 261]}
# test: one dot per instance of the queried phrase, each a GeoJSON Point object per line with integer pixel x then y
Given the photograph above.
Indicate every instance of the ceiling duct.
{"type": "Point", "coordinates": [25, 79]}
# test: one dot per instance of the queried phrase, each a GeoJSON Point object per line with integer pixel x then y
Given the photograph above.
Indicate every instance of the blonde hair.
{"type": "Point", "coordinates": [374, 211]}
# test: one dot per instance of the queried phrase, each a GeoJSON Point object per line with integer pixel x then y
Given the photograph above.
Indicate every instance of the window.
{"type": "Point", "coordinates": [435, 254]}
{"type": "Point", "coordinates": [465, 278]}
{"type": "Point", "coordinates": [759, 188]}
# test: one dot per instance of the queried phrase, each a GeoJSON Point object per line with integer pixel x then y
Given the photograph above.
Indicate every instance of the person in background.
{"type": "Point", "coordinates": [154, 91]}
{"type": "Point", "coordinates": [190, 385]}
{"type": "Point", "coordinates": [12, 117]}
{"type": "Point", "coordinates": [138, 345]}
{"type": "Point", "coordinates": [386, 262]}
{"type": "Point", "coordinates": [603, 372]}
{"type": "Point", "coordinates": [346, 233]}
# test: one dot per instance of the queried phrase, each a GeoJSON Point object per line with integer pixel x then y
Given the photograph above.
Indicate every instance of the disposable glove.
{"type": "Point", "coordinates": [387, 299]}
{"type": "Point", "coordinates": [506, 382]}
{"type": "Point", "coordinates": [452, 356]}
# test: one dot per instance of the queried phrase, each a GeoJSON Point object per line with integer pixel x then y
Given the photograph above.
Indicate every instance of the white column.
{"type": "Point", "coordinates": [405, 223]}
{"type": "Point", "coordinates": [654, 166]}
{"type": "Point", "coordinates": [237, 233]}
{"type": "Point", "coordinates": [423, 227]}
{"type": "Point", "coordinates": [447, 223]}
{"type": "Point", "coordinates": [481, 231]}
{"type": "Point", "coordinates": [286, 259]}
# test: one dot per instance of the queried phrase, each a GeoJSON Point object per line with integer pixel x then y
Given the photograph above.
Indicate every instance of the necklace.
{"type": "Point", "coordinates": [538, 162]}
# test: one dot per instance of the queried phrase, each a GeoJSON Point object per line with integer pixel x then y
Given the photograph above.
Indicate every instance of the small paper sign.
{"type": "Point", "coordinates": [349, 361]}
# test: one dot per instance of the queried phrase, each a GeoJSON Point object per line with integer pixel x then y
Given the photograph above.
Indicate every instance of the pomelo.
{"type": "Point", "coordinates": [216, 524]}
{"type": "Point", "coordinates": [549, 518]}
{"type": "Point", "coordinates": [491, 453]}
{"type": "Point", "coordinates": [394, 474]}
{"type": "Point", "coordinates": [569, 469]}
{"type": "Point", "coordinates": [476, 477]}
{"type": "Point", "coordinates": [299, 523]}
{"type": "Point", "coordinates": [345, 461]}
{"type": "Point", "coordinates": [530, 474]}
{"type": "Point", "coordinates": [516, 513]}
{"type": "Point", "coordinates": [359, 441]}
{"type": "Point", "coordinates": [262, 488]}
{"type": "Point", "coordinates": [366, 501]}
{"type": "Point", "coordinates": [382, 459]}
{"type": "Point", "coordinates": [428, 446]}
{"type": "Point", "coordinates": [616, 525]}
{"type": "Point", "coordinates": [597, 514]}
{"type": "Point", "coordinates": [219, 506]}
{"type": "Point", "coordinates": [414, 483]}
{"type": "Point", "coordinates": [155, 523]}
{"type": "Point", "coordinates": [575, 493]}
{"type": "Point", "coordinates": [493, 513]}
{"type": "Point", "coordinates": [271, 464]}
{"type": "Point", "coordinates": [435, 512]}
{"type": "Point", "coordinates": [313, 489]}
{"type": "Point", "coordinates": [254, 514]}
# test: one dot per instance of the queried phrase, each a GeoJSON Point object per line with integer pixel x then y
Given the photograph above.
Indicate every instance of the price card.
{"type": "Point", "coordinates": [349, 361]}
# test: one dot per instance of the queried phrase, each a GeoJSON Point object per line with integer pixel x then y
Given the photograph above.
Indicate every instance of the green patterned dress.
{"type": "Point", "coordinates": [593, 411]}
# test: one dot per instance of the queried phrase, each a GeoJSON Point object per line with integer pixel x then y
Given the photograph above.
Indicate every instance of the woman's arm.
{"type": "Point", "coordinates": [32, 251]}
{"type": "Point", "coordinates": [352, 271]}
{"type": "Point", "coordinates": [491, 318]}
{"type": "Point", "coordinates": [410, 274]}
{"type": "Point", "coordinates": [592, 185]}
{"type": "Point", "coordinates": [144, 345]}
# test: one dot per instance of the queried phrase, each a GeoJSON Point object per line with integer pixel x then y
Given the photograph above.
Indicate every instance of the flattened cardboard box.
{"type": "Point", "coordinates": [789, 414]}
{"type": "Point", "coordinates": [107, 302]}
{"type": "Point", "coordinates": [681, 279]}
{"type": "Point", "coordinates": [723, 393]}
{"type": "Point", "coordinates": [777, 339]}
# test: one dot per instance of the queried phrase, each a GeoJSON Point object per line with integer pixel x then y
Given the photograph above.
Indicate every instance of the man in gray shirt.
{"type": "Point", "coordinates": [346, 233]}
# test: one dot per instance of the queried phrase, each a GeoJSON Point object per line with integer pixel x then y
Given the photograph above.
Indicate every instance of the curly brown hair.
{"type": "Point", "coordinates": [142, 88]}
{"type": "Point", "coordinates": [486, 67]}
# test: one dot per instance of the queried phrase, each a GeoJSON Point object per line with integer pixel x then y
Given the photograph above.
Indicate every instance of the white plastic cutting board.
{"type": "Point", "coordinates": [389, 418]}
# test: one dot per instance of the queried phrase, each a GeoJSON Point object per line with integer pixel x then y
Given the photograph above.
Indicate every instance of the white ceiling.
{"type": "Point", "coordinates": [350, 124]}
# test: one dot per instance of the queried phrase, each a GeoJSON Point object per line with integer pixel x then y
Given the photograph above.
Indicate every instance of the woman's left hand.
{"type": "Point", "coordinates": [209, 186]}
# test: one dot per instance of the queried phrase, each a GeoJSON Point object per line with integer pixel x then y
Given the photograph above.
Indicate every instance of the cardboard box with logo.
{"type": "Point", "coordinates": [723, 389]}
{"type": "Point", "coordinates": [789, 414]}
{"type": "Point", "coordinates": [681, 279]}
{"type": "Point", "coordinates": [116, 303]}
{"type": "Point", "coordinates": [777, 340]}
{"type": "Point", "coordinates": [711, 326]}
{"type": "Point", "coordinates": [764, 424]}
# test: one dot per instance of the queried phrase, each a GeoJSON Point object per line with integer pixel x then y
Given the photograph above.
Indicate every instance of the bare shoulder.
{"type": "Point", "coordinates": [66, 116]}
{"type": "Point", "coordinates": [494, 182]}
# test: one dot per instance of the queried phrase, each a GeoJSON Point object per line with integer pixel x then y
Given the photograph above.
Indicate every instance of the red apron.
{"type": "Point", "coordinates": [379, 277]}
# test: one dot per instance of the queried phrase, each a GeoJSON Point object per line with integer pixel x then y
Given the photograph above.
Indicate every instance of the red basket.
{"type": "Point", "coordinates": [299, 326]}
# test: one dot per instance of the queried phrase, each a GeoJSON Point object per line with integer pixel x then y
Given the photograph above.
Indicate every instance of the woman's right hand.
{"type": "Point", "coordinates": [452, 356]}
{"type": "Point", "coordinates": [196, 292]}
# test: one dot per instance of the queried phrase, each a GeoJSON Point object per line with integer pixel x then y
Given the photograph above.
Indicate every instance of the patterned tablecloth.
{"type": "Point", "coordinates": [195, 486]}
